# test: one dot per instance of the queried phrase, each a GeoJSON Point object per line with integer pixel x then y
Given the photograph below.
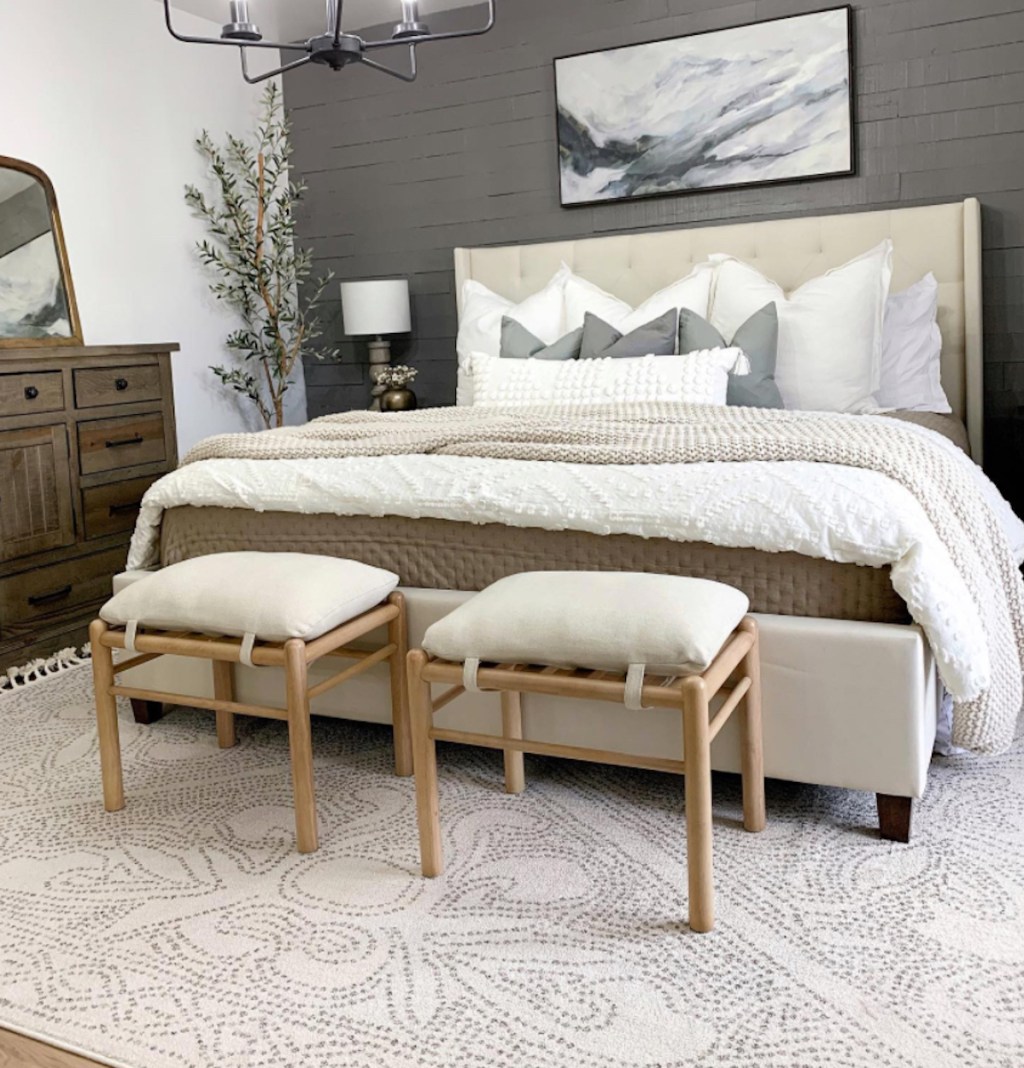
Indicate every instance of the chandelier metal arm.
{"type": "Point", "coordinates": [291, 46]}
{"type": "Point", "coordinates": [256, 79]}
{"type": "Point", "coordinates": [410, 77]}
{"type": "Point", "coordinates": [427, 37]}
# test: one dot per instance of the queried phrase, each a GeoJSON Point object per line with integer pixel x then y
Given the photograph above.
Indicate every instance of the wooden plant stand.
{"type": "Point", "coordinates": [295, 656]}
{"type": "Point", "coordinates": [690, 695]}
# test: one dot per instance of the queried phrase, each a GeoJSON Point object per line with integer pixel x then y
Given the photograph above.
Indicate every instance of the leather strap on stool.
{"type": "Point", "coordinates": [633, 697]}
{"type": "Point", "coordinates": [469, 670]}
{"type": "Point", "coordinates": [245, 653]}
{"type": "Point", "coordinates": [131, 629]}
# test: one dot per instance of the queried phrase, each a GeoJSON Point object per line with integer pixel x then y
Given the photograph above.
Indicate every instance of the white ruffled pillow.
{"type": "Point", "coordinates": [694, 378]}
{"type": "Point", "coordinates": [581, 296]}
{"type": "Point", "coordinates": [830, 329]}
{"type": "Point", "coordinates": [542, 313]}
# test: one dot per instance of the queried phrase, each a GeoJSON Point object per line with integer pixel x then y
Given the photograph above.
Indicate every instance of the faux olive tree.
{"type": "Point", "coordinates": [250, 251]}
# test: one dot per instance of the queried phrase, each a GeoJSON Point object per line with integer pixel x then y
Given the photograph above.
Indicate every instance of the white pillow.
{"type": "Point", "coordinates": [830, 329]}
{"type": "Point", "coordinates": [275, 596]}
{"type": "Point", "coordinates": [605, 620]}
{"type": "Point", "coordinates": [912, 350]}
{"type": "Point", "coordinates": [581, 296]}
{"type": "Point", "coordinates": [695, 378]}
{"type": "Point", "coordinates": [541, 313]}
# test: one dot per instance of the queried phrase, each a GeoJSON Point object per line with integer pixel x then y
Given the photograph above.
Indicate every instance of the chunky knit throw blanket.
{"type": "Point", "coordinates": [944, 481]}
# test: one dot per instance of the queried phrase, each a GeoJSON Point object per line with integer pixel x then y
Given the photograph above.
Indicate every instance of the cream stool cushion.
{"type": "Point", "coordinates": [603, 620]}
{"type": "Point", "coordinates": [274, 596]}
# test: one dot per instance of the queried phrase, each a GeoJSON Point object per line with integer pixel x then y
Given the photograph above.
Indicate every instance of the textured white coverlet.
{"type": "Point", "coordinates": [949, 488]}
{"type": "Point", "coordinates": [844, 514]}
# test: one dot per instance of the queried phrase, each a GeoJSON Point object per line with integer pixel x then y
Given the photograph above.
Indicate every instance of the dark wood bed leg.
{"type": "Point", "coordinates": [894, 817]}
{"type": "Point", "coordinates": [146, 712]}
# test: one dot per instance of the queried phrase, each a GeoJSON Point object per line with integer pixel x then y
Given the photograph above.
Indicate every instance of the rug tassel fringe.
{"type": "Point", "coordinates": [17, 678]}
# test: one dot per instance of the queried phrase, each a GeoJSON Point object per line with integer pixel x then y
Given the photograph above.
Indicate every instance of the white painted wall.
{"type": "Point", "coordinates": [108, 104]}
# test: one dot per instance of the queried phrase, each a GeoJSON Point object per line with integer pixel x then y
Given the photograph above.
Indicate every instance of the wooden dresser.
{"type": "Point", "coordinates": [84, 431]}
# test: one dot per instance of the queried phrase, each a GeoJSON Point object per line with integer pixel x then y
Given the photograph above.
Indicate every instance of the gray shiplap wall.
{"type": "Point", "coordinates": [400, 174]}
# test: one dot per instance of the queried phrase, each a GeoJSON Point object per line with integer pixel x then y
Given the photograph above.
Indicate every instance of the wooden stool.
{"type": "Point", "coordinates": [294, 655]}
{"type": "Point", "coordinates": [690, 695]}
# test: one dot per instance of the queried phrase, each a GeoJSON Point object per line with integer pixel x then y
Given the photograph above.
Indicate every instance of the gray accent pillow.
{"type": "Point", "coordinates": [656, 338]}
{"type": "Point", "coordinates": [517, 343]}
{"type": "Point", "coordinates": [758, 337]}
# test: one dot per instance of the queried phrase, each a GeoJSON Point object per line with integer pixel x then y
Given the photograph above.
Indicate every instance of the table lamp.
{"type": "Point", "coordinates": [373, 309]}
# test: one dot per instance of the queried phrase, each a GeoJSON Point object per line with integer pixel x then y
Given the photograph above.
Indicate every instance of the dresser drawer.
{"type": "Point", "coordinates": [26, 394]}
{"type": "Point", "coordinates": [59, 588]}
{"type": "Point", "coordinates": [110, 444]}
{"type": "Point", "coordinates": [96, 387]}
{"type": "Point", "coordinates": [113, 508]}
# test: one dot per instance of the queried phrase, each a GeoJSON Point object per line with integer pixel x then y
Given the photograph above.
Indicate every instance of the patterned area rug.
{"type": "Point", "coordinates": [186, 930]}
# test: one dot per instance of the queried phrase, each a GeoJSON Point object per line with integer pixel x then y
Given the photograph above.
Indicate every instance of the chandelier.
{"type": "Point", "coordinates": [333, 48]}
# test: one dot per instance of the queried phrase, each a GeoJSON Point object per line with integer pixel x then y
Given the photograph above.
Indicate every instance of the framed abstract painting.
{"type": "Point", "coordinates": [767, 102]}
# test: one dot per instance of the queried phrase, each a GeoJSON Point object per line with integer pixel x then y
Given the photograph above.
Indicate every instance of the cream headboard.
{"type": "Point", "coordinates": [944, 239]}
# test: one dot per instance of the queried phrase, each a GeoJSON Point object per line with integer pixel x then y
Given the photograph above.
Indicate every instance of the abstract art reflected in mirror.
{"type": "Point", "coordinates": [37, 298]}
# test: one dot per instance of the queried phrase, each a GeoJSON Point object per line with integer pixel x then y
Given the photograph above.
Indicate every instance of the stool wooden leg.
{"type": "Point", "coordinates": [697, 758]}
{"type": "Point", "coordinates": [301, 744]}
{"type": "Point", "coordinates": [512, 727]}
{"type": "Point", "coordinates": [752, 755]}
{"type": "Point", "coordinates": [425, 757]}
{"type": "Point", "coordinates": [398, 634]}
{"type": "Point", "coordinates": [106, 719]}
{"type": "Point", "coordinates": [224, 690]}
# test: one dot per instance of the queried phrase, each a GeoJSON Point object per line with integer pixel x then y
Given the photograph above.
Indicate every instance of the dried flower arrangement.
{"type": "Point", "coordinates": [397, 377]}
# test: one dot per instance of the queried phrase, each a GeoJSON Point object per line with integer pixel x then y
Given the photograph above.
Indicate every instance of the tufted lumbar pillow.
{"type": "Point", "coordinates": [604, 620]}
{"type": "Point", "coordinates": [696, 378]}
{"type": "Point", "coordinates": [273, 596]}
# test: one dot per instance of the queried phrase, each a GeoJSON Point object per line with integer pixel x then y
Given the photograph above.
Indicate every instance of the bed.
{"type": "Point", "coordinates": [827, 720]}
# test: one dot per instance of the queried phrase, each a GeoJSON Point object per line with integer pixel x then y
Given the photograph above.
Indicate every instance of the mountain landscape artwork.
{"type": "Point", "coordinates": [768, 102]}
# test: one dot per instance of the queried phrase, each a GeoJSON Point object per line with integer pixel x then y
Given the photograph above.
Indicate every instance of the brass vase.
{"type": "Point", "coordinates": [398, 400]}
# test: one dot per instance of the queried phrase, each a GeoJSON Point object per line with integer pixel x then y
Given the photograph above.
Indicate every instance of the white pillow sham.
{"type": "Point", "coordinates": [830, 329]}
{"type": "Point", "coordinates": [581, 296]}
{"type": "Point", "coordinates": [912, 350]}
{"type": "Point", "coordinates": [695, 378]}
{"type": "Point", "coordinates": [542, 313]}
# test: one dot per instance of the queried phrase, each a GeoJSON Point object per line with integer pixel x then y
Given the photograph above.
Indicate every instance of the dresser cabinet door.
{"type": "Point", "coordinates": [35, 491]}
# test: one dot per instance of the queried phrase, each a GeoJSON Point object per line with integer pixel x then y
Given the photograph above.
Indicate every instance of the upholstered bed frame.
{"type": "Point", "coordinates": [942, 238]}
{"type": "Point", "coordinates": [827, 718]}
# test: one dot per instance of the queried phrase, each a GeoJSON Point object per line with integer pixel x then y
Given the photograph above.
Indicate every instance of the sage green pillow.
{"type": "Point", "coordinates": [656, 338]}
{"type": "Point", "coordinates": [758, 337]}
{"type": "Point", "coordinates": [517, 343]}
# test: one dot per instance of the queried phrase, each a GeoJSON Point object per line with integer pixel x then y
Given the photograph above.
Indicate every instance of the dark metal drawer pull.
{"type": "Point", "coordinates": [121, 384]}
{"type": "Point", "coordinates": [124, 509]}
{"type": "Point", "coordinates": [31, 393]}
{"type": "Point", "coordinates": [50, 598]}
{"type": "Point", "coordinates": [137, 440]}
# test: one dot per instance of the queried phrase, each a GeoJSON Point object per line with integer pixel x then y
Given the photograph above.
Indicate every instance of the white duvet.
{"type": "Point", "coordinates": [844, 514]}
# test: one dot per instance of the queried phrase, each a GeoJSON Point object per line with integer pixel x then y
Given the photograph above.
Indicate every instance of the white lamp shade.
{"type": "Point", "coordinates": [379, 307]}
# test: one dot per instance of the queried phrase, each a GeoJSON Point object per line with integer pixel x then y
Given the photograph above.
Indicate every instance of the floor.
{"type": "Point", "coordinates": [19, 1052]}
{"type": "Point", "coordinates": [187, 932]}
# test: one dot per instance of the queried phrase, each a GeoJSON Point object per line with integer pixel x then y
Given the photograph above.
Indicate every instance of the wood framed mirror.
{"type": "Point", "coordinates": [37, 296]}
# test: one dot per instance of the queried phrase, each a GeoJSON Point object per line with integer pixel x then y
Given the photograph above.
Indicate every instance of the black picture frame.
{"type": "Point", "coordinates": [737, 185]}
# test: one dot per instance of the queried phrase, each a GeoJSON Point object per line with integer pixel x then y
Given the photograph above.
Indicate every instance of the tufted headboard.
{"type": "Point", "coordinates": [943, 238]}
